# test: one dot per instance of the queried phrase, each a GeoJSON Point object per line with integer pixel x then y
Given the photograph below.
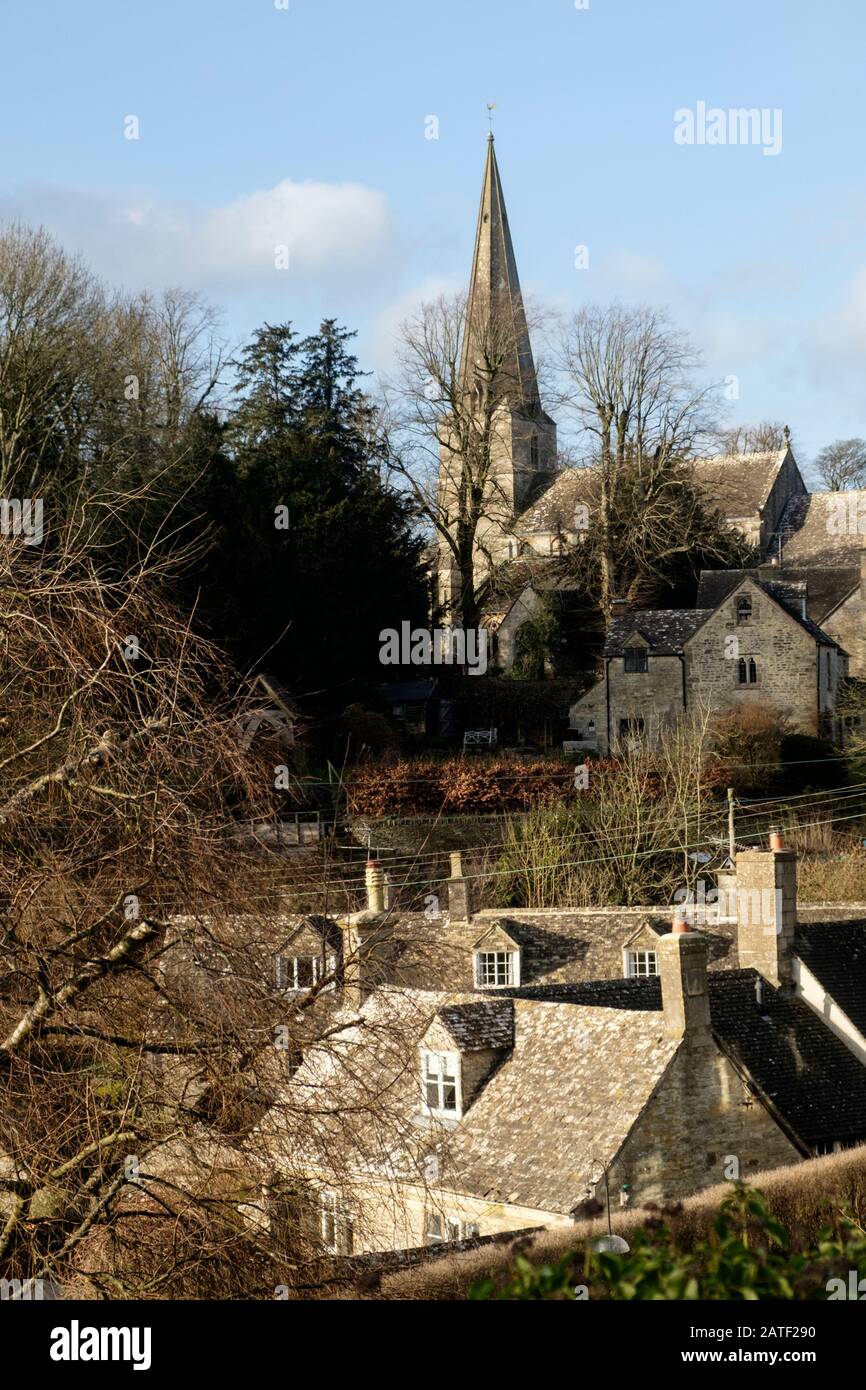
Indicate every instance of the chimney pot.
{"type": "Point", "coordinates": [374, 879]}
{"type": "Point", "coordinates": [777, 839]}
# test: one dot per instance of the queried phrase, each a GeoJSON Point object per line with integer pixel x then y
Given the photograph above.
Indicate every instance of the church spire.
{"type": "Point", "coordinates": [495, 303]}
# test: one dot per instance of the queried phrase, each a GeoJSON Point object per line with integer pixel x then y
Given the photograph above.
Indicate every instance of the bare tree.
{"type": "Point", "coordinates": [630, 380]}
{"type": "Point", "coordinates": [767, 437]}
{"type": "Point", "coordinates": [95, 390]}
{"type": "Point", "coordinates": [450, 423]}
{"type": "Point", "coordinates": [842, 465]}
{"type": "Point", "coordinates": [142, 1032]}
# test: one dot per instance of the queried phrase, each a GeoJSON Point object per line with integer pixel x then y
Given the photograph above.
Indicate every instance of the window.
{"type": "Point", "coordinates": [399, 711]}
{"type": "Point", "coordinates": [533, 452]}
{"type": "Point", "coordinates": [440, 1083]}
{"type": "Point", "coordinates": [747, 671]}
{"type": "Point", "coordinates": [444, 1228]}
{"type": "Point", "coordinates": [631, 728]}
{"type": "Point", "coordinates": [744, 609]}
{"type": "Point", "coordinates": [334, 1226]}
{"type": "Point", "coordinates": [302, 972]}
{"type": "Point", "coordinates": [494, 968]}
{"type": "Point", "coordinates": [640, 964]}
{"type": "Point", "coordinates": [636, 659]}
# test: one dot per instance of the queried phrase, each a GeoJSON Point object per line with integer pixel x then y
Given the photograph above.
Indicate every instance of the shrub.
{"type": "Point", "coordinates": [748, 1254]}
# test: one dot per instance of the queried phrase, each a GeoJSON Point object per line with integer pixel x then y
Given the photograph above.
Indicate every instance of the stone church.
{"type": "Point", "coordinates": [807, 588]}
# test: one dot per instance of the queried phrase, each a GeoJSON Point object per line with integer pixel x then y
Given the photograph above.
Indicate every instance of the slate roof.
{"type": "Point", "coordinates": [665, 629]}
{"type": "Point", "coordinates": [715, 586]}
{"type": "Point", "coordinates": [489, 1023]}
{"type": "Point", "coordinates": [808, 1076]}
{"type": "Point", "coordinates": [825, 586]}
{"type": "Point", "coordinates": [668, 629]}
{"type": "Point", "coordinates": [810, 525]}
{"type": "Point", "coordinates": [739, 484]}
{"type": "Point", "coordinates": [554, 509]}
{"type": "Point", "coordinates": [565, 1078]}
{"type": "Point", "coordinates": [835, 952]}
{"type": "Point", "coordinates": [556, 946]}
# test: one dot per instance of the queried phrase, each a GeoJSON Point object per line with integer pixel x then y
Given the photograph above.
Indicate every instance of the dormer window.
{"type": "Point", "coordinates": [441, 1083]}
{"type": "Point", "coordinates": [301, 972]}
{"type": "Point", "coordinates": [636, 659]}
{"type": "Point", "coordinates": [744, 609]}
{"type": "Point", "coordinates": [641, 964]}
{"type": "Point", "coordinates": [495, 969]}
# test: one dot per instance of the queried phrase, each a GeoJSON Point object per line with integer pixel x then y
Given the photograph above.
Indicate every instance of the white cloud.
{"type": "Point", "coordinates": [836, 344]}
{"type": "Point", "coordinates": [331, 231]}
{"type": "Point", "coordinates": [386, 329]}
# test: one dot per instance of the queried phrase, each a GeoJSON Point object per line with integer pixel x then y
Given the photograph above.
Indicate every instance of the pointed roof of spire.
{"type": "Point", "coordinates": [495, 301]}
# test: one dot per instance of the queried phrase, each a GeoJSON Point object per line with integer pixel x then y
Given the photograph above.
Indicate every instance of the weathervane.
{"type": "Point", "coordinates": [491, 107]}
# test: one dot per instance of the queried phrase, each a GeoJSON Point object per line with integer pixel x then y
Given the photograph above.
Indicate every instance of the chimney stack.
{"type": "Point", "coordinates": [683, 971]}
{"type": "Point", "coordinates": [767, 910]}
{"type": "Point", "coordinates": [374, 878]}
{"type": "Point", "coordinates": [460, 903]}
{"type": "Point", "coordinates": [368, 941]}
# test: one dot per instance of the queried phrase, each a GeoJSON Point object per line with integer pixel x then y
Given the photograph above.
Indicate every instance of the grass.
{"type": "Point", "coordinates": [801, 1197]}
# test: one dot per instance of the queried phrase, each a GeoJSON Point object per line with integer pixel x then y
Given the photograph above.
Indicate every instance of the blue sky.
{"type": "Point", "coordinates": [260, 125]}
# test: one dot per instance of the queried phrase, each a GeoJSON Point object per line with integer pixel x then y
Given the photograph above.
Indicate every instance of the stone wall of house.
{"type": "Point", "coordinates": [847, 626]}
{"type": "Point", "coordinates": [700, 1118]}
{"type": "Point", "coordinates": [392, 1217]}
{"type": "Point", "coordinates": [784, 652]}
{"type": "Point", "coordinates": [655, 696]}
{"type": "Point", "coordinates": [588, 718]}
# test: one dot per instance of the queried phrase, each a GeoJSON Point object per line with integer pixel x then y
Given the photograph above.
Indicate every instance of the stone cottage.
{"type": "Point", "coordinates": [755, 646]}
{"type": "Point", "coordinates": [483, 1081]}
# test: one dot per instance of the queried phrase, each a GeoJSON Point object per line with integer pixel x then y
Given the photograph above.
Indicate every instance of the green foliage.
{"type": "Point", "coordinates": [536, 644]}
{"type": "Point", "coordinates": [308, 598]}
{"type": "Point", "coordinates": [747, 1255]}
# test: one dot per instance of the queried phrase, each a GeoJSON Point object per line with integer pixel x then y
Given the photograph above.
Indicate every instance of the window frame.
{"type": "Point", "coordinates": [449, 1229]}
{"type": "Point", "coordinates": [639, 655]}
{"type": "Point", "coordinates": [512, 959]}
{"type": "Point", "coordinates": [744, 610]}
{"type": "Point", "coordinates": [632, 954]}
{"type": "Point", "coordinates": [288, 983]}
{"type": "Point", "coordinates": [448, 1075]}
{"type": "Point", "coordinates": [335, 1226]}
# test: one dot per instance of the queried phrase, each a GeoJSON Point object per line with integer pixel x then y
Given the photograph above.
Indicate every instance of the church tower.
{"type": "Point", "coordinates": [496, 357]}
